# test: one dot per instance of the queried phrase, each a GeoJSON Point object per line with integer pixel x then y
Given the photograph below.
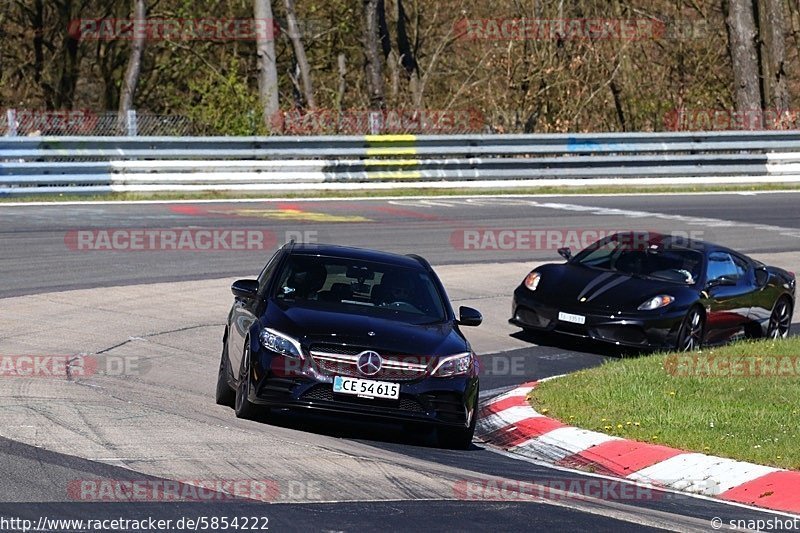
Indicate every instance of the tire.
{"type": "Point", "coordinates": [242, 406]}
{"type": "Point", "coordinates": [692, 331]}
{"type": "Point", "coordinates": [225, 394]}
{"type": "Point", "coordinates": [780, 320]}
{"type": "Point", "coordinates": [458, 439]}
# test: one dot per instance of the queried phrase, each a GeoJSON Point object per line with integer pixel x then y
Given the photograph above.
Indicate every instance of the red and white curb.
{"type": "Point", "coordinates": [509, 422]}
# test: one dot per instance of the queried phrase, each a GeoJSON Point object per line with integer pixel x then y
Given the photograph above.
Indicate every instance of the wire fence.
{"type": "Point", "coordinates": [69, 123]}
{"type": "Point", "coordinates": [32, 123]}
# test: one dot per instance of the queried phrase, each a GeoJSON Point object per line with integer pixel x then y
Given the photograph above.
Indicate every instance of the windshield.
{"type": "Point", "coordinates": [360, 287]}
{"type": "Point", "coordinates": [679, 265]}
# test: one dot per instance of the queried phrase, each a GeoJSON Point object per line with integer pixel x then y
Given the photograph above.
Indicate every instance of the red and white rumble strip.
{"type": "Point", "coordinates": [509, 422]}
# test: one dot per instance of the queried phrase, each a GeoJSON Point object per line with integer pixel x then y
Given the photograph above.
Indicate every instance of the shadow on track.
{"type": "Point", "coordinates": [578, 344]}
{"type": "Point", "coordinates": [343, 427]}
{"type": "Point", "coordinates": [589, 346]}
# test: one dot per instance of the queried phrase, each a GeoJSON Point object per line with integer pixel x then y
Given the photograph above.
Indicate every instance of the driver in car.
{"type": "Point", "coordinates": [394, 287]}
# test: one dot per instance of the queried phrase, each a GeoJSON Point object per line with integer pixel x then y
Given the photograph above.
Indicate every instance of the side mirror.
{"type": "Point", "coordinates": [245, 288]}
{"type": "Point", "coordinates": [468, 316]}
{"type": "Point", "coordinates": [565, 252]}
{"type": "Point", "coordinates": [762, 276]}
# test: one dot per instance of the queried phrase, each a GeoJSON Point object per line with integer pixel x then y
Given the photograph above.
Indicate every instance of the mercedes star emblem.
{"type": "Point", "coordinates": [369, 363]}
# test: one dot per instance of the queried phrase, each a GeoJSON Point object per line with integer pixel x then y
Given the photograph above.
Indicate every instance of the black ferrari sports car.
{"type": "Point", "coordinates": [656, 291]}
{"type": "Point", "coordinates": [351, 331]}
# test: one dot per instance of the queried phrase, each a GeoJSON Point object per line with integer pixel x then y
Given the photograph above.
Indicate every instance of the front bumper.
{"type": "Point", "coordinates": [645, 329]}
{"type": "Point", "coordinates": [282, 383]}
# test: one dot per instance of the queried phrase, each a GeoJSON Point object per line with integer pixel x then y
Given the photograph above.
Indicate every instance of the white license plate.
{"type": "Point", "coordinates": [366, 388]}
{"type": "Point", "coordinates": [569, 317]}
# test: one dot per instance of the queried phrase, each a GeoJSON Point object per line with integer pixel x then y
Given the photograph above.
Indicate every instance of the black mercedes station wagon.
{"type": "Point", "coordinates": [351, 331]}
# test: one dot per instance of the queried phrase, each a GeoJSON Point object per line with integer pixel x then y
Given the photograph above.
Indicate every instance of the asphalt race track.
{"type": "Point", "coordinates": [160, 314]}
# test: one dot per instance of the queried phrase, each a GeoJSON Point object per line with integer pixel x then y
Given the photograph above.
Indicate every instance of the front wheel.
{"type": "Point", "coordinates": [690, 336]}
{"type": "Point", "coordinates": [780, 320]}
{"type": "Point", "coordinates": [243, 407]}
{"type": "Point", "coordinates": [225, 394]}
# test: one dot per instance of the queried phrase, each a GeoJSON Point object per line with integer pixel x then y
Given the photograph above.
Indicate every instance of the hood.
{"type": "Point", "coordinates": [600, 289]}
{"type": "Point", "coordinates": [310, 325]}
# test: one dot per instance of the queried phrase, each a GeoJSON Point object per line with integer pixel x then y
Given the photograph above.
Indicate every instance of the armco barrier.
{"type": "Point", "coordinates": [31, 165]}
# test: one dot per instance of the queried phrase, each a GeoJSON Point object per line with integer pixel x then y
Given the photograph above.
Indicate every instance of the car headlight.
{"type": "Point", "coordinates": [280, 343]}
{"type": "Point", "coordinates": [453, 365]}
{"type": "Point", "coordinates": [657, 302]}
{"type": "Point", "coordinates": [532, 280]}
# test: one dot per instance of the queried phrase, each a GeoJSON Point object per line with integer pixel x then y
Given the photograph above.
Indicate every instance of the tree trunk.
{"type": "Point", "coordinates": [373, 63]}
{"type": "Point", "coordinates": [267, 69]}
{"type": "Point", "coordinates": [300, 54]}
{"type": "Point", "coordinates": [616, 93]}
{"type": "Point", "coordinates": [404, 48]}
{"type": "Point", "coordinates": [773, 55]}
{"type": "Point", "coordinates": [69, 65]}
{"type": "Point", "coordinates": [341, 61]}
{"type": "Point", "coordinates": [744, 60]}
{"type": "Point", "coordinates": [38, 40]}
{"type": "Point", "coordinates": [131, 79]}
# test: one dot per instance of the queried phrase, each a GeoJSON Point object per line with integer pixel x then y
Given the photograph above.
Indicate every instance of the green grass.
{"type": "Point", "coordinates": [410, 191]}
{"type": "Point", "coordinates": [647, 398]}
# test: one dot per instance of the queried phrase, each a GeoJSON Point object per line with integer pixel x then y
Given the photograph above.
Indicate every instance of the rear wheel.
{"type": "Point", "coordinates": [780, 320]}
{"type": "Point", "coordinates": [243, 407]}
{"type": "Point", "coordinates": [225, 394]}
{"type": "Point", "coordinates": [690, 336]}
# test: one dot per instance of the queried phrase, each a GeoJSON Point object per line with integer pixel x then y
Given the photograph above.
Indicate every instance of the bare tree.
{"type": "Point", "coordinates": [773, 55]}
{"type": "Point", "coordinates": [744, 58]}
{"type": "Point", "coordinates": [55, 65]}
{"type": "Point", "coordinates": [300, 54]}
{"type": "Point", "coordinates": [341, 62]}
{"type": "Point", "coordinates": [373, 63]}
{"type": "Point", "coordinates": [131, 79]}
{"type": "Point", "coordinates": [267, 69]}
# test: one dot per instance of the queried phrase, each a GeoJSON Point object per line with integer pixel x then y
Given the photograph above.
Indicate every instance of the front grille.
{"type": "Point", "coordinates": [531, 317]}
{"type": "Point", "coordinates": [571, 328]}
{"type": "Point", "coordinates": [318, 393]}
{"type": "Point", "coordinates": [324, 393]}
{"type": "Point", "coordinates": [625, 334]}
{"type": "Point", "coordinates": [341, 360]}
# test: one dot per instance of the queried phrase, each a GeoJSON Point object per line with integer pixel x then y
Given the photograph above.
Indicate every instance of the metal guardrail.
{"type": "Point", "coordinates": [31, 165]}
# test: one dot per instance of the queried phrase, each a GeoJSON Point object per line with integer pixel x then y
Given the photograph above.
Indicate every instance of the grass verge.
{"type": "Point", "coordinates": [740, 401]}
{"type": "Point", "coordinates": [410, 191]}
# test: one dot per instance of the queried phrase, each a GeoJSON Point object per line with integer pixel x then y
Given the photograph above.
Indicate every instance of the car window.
{"type": "Point", "coordinates": [600, 256]}
{"type": "Point", "coordinates": [266, 273]}
{"type": "Point", "coordinates": [360, 287]}
{"type": "Point", "coordinates": [630, 254]}
{"type": "Point", "coordinates": [723, 265]}
{"type": "Point", "coordinates": [742, 266]}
